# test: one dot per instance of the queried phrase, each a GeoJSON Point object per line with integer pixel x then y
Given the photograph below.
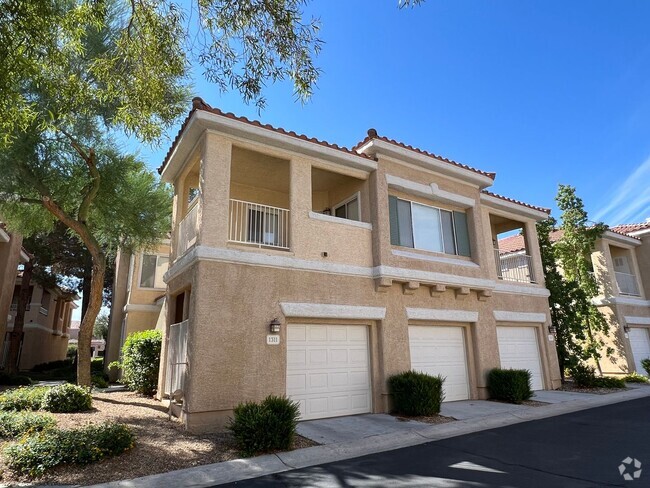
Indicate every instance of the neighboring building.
{"type": "Point", "coordinates": [307, 269]}
{"type": "Point", "coordinates": [47, 324]}
{"type": "Point", "coordinates": [138, 296]}
{"type": "Point", "coordinates": [97, 345]}
{"type": "Point", "coordinates": [11, 256]}
{"type": "Point", "coordinates": [621, 265]}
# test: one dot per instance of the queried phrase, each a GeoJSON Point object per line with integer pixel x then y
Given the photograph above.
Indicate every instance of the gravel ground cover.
{"type": "Point", "coordinates": [161, 444]}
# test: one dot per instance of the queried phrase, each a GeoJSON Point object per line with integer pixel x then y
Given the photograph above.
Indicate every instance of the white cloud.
{"type": "Point", "coordinates": [630, 201]}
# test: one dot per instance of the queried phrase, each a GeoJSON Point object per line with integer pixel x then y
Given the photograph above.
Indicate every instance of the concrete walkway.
{"type": "Point", "coordinates": [388, 435]}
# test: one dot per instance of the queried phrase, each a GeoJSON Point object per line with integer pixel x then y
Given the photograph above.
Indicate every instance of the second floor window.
{"type": "Point", "coordinates": [348, 209]}
{"type": "Point", "coordinates": [153, 269]}
{"type": "Point", "coordinates": [428, 228]}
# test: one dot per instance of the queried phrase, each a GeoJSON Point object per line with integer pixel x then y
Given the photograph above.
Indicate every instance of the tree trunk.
{"type": "Point", "coordinates": [17, 333]}
{"type": "Point", "coordinates": [87, 279]}
{"type": "Point", "coordinates": [88, 320]}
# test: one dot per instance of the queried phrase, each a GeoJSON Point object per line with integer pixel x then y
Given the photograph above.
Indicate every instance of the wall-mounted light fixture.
{"type": "Point", "coordinates": [552, 329]}
{"type": "Point", "coordinates": [626, 329]}
{"type": "Point", "coordinates": [275, 326]}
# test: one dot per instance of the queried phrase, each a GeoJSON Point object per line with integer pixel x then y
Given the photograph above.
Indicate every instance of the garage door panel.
{"type": "Point", "coordinates": [440, 350]}
{"type": "Point", "coordinates": [640, 342]}
{"type": "Point", "coordinates": [336, 376]}
{"type": "Point", "coordinates": [519, 349]}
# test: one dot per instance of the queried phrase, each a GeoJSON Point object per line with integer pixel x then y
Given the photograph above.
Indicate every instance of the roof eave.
{"type": "Point", "coordinates": [202, 120]}
{"type": "Point", "coordinates": [378, 146]}
{"type": "Point", "coordinates": [620, 238]}
{"type": "Point", "coordinates": [513, 208]}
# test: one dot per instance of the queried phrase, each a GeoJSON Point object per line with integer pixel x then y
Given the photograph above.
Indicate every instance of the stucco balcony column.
{"type": "Point", "coordinates": [299, 201]}
{"type": "Point", "coordinates": [214, 184]}
{"type": "Point", "coordinates": [532, 249]}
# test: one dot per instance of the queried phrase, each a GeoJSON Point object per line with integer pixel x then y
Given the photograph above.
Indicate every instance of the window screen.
{"type": "Point", "coordinates": [148, 275]}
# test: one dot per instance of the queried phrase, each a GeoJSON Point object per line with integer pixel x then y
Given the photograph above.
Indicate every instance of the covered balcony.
{"type": "Point", "coordinates": [259, 200]}
{"type": "Point", "coordinates": [511, 250]}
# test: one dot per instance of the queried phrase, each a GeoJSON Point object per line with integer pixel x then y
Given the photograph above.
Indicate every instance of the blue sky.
{"type": "Point", "coordinates": [542, 92]}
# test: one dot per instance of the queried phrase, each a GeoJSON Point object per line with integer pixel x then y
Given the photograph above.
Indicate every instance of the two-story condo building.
{"type": "Point", "coordinates": [621, 266]}
{"type": "Point", "coordinates": [299, 267]}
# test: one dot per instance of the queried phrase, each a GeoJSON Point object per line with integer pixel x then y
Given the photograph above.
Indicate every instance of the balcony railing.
{"type": "Point", "coordinates": [514, 267]}
{"type": "Point", "coordinates": [188, 230]}
{"type": "Point", "coordinates": [627, 284]}
{"type": "Point", "coordinates": [262, 225]}
{"type": "Point", "coordinates": [43, 311]}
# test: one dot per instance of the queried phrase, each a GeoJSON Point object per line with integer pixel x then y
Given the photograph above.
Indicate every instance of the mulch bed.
{"type": "Point", "coordinates": [434, 419]}
{"type": "Point", "coordinates": [525, 403]}
{"type": "Point", "coordinates": [570, 387]}
{"type": "Point", "coordinates": [161, 444]}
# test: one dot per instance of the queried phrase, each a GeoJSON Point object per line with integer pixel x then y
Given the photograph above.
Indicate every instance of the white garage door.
{"type": "Point", "coordinates": [640, 342]}
{"type": "Point", "coordinates": [328, 369]}
{"type": "Point", "coordinates": [441, 351]}
{"type": "Point", "coordinates": [518, 349]}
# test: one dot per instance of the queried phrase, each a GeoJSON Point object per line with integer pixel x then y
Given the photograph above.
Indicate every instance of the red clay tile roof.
{"type": "Point", "coordinates": [512, 200]}
{"type": "Point", "coordinates": [627, 228]}
{"type": "Point", "coordinates": [199, 104]}
{"type": "Point", "coordinates": [516, 243]}
{"type": "Point", "coordinates": [372, 134]}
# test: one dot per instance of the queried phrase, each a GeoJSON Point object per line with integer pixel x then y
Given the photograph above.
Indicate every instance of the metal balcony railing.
{"type": "Point", "coordinates": [627, 284]}
{"type": "Point", "coordinates": [514, 267]}
{"type": "Point", "coordinates": [262, 225]}
{"type": "Point", "coordinates": [188, 230]}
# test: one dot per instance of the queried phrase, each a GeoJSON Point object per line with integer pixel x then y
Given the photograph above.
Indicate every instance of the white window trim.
{"type": "Point", "coordinates": [139, 275]}
{"type": "Point", "coordinates": [356, 195]}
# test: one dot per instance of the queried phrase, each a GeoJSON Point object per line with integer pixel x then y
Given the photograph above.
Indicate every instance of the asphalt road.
{"type": "Point", "coordinates": [580, 449]}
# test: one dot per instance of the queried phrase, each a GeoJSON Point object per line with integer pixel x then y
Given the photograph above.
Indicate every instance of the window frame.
{"type": "Point", "coordinates": [139, 275]}
{"type": "Point", "coordinates": [357, 196]}
{"type": "Point", "coordinates": [441, 228]}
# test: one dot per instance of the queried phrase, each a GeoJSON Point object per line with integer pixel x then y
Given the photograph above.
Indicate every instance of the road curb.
{"type": "Point", "coordinates": [243, 469]}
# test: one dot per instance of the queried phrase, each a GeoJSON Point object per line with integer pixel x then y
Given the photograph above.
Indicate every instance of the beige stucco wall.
{"type": "Point", "coordinates": [9, 260]}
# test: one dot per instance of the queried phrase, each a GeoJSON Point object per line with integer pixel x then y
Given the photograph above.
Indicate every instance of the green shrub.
{"type": "Point", "coordinates": [97, 365]}
{"type": "Point", "coordinates": [71, 352]}
{"type": "Point", "coordinates": [584, 376]}
{"type": "Point", "coordinates": [29, 398]}
{"type": "Point", "coordinates": [16, 424]}
{"type": "Point", "coordinates": [510, 385]}
{"type": "Point", "coordinates": [140, 361]}
{"type": "Point", "coordinates": [416, 393]}
{"type": "Point", "coordinates": [609, 382]}
{"type": "Point", "coordinates": [635, 377]}
{"type": "Point", "coordinates": [99, 381]}
{"type": "Point", "coordinates": [34, 454]}
{"type": "Point", "coordinates": [14, 380]}
{"type": "Point", "coordinates": [646, 365]}
{"type": "Point", "coordinates": [67, 398]}
{"type": "Point", "coordinates": [266, 426]}
{"type": "Point", "coordinates": [61, 363]}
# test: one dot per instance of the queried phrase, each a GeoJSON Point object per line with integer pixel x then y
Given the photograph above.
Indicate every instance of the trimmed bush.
{"type": "Point", "coordinates": [98, 381]}
{"type": "Point", "coordinates": [61, 363]}
{"type": "Point", "coordinates": [16, 424]}
{"type": "Point", "coordinates": [71, 352]}
{"type": "Point", "coordinates": [583, 376]}
{"type": "Point", "coordinates": [14, 380]}
{"type": "Point", "coordinates": [67, 398]}
{"type": "Point", "coordinates": [646, 365]}
{"type": "Point", "coordinates": [140, 361]}
{"type": "Point", "coordinates": [266, 426]}
{"type": "Point", "coordinates": [34, 454]}
{"type": "Point", "coordinates": [29, 398]}
{"type": "Point", "coordinates": [510, 385]}
{"type": "Point", "coordinates": [416, 394]}
{"type": "Point", "coordinates": [635, 378]}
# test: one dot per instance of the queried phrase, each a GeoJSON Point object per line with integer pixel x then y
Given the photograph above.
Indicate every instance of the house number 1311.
{"type": "Point", "coordinates": [273, 340]}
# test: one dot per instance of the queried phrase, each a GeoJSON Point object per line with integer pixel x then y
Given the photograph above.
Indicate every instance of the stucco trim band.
{"type": "Point", "coordinates": [508, 316]}
{"type": "Point", "coordinates": [621, 301]}
{"type": "Point", "coordinates": [204, 253]}
{"type": "Point", "coordinates": [637, 320]}
{"type": "Point", "coordinates": [521, 290]}
{"type": "Point", "coordinates": [435, 259]}
{"type": "Point", "coordinates": [511, 207]}
{"type": "Point", "coordinates": [440, 315]}
{"type": "Point", "coordinates": [138, 307]}
{"type": "Point", "coordinates": [329, 311]}
{"type": "Point", "coordinates": [432, 191]}
{"type": "Point", "coordinates": [31, 326]}
{"type": "Point", "coordinates": [338, 220]}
